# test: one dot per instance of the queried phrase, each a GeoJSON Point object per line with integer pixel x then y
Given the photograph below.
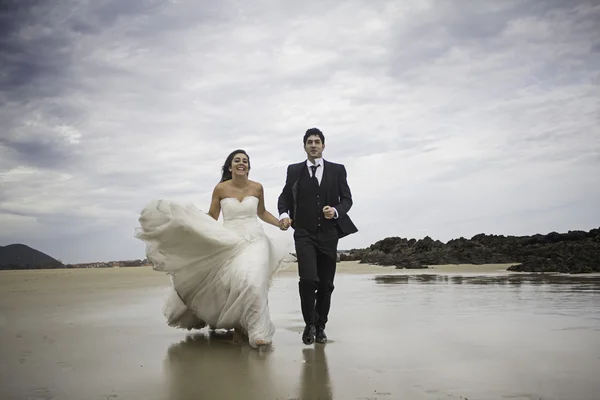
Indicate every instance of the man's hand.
{"type": "Point", "coordinates": [284, 224]}
{"type": "Point", "coordinates": [329, 212]}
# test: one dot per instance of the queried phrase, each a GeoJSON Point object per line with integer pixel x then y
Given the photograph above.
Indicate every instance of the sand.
{"type": "Point", "coordinates": [41, 281]}
{"type": "Point", "coordinates": [355, 267]}
{"type": "Point", "coordinates": [99, 334]}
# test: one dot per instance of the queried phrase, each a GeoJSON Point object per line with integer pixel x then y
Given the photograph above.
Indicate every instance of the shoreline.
{"type": "Point", "coordinates": [343, 267]}
{"type": "Point", "coordinates": [355, 267]}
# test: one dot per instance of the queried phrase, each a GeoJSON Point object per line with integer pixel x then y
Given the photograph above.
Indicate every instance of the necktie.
{"type": "Point", "coordinates": [314, 170]}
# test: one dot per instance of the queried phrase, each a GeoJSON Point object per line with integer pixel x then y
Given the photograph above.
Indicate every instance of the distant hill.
{"type": "Point", "coordinates": [20, 256]}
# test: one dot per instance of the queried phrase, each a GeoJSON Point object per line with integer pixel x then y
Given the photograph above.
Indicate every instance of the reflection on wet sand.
{"type": "Point", "coordinates": [569, 282]}
{"type": "Point", "coordinates": [315, 382]}
{"type": "Point", "coordinates": [209, 366]}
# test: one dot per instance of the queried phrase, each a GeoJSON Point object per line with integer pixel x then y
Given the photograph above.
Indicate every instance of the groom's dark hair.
{"type": "Point", "coordinates": [311, 132]}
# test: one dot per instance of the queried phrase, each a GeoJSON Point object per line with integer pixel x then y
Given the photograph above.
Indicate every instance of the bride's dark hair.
{"type": "Point", "coordinates": [225, 172]}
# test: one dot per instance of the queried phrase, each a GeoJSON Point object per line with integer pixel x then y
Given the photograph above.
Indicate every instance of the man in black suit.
{"type": "Point", "coordinates": [315, 202]}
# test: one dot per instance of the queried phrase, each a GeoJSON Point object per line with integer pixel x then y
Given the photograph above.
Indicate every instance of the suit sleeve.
{"type": "Point", "coordinates": [286, 201]}
{"type": "Point", "coordinates": [345, 194]}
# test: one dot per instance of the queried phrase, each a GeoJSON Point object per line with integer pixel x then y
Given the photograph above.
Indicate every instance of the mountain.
{"type": "Point", "coordinates": [20, 256]}
{"type": "Point", "coordinates": [571, 252]}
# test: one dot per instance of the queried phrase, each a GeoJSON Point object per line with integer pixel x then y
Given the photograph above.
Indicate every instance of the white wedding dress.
{"type": "Point", "coordinates": [220, 272]}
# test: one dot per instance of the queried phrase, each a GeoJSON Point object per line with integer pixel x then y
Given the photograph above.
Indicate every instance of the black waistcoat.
{"type": "Point", "coordinates": [310, 201]}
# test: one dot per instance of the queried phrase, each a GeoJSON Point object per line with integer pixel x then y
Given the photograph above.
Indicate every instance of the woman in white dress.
{"type": "Point", "coordinates": [220, 273]}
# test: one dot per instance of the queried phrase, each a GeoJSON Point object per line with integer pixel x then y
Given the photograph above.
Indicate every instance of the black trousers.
{"type": "Point", "coordinates": [317, 256]}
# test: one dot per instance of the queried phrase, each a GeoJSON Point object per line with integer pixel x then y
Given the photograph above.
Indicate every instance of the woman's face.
{"type": "Point", "coordinates": [240, 165]}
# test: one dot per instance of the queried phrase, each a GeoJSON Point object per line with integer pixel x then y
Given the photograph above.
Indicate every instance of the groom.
{"type": "Point", "coordinates": [315, 202]}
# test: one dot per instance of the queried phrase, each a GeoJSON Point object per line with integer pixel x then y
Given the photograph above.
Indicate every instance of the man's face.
{"type": "Point", "coordinates": [314, 146]}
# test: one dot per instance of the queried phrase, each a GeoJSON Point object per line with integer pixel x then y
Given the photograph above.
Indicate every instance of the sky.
{"type": "Point", "coordinates": [451, 118]}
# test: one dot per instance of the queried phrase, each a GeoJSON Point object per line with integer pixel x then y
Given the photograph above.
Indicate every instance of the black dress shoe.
{"type": "Point", "coordinates": [321, 336]}
{"type": "Point", "coordinates": [308, 336]}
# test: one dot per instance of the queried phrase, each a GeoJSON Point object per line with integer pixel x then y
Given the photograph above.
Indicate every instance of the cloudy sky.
{"type": "Point", "coordinates": [452, 118]}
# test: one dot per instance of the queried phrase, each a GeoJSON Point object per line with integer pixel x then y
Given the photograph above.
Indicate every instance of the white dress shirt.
{"type": "Point", "coordinates": [319, 172]}
{"type": "Point", "coordinates": [319, 176]}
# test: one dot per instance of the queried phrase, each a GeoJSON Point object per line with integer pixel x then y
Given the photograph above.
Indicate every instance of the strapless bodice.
{"type": "Point", "coordinates": [235, 209]}
{"type": "Point", "coordinates": [240, 216]}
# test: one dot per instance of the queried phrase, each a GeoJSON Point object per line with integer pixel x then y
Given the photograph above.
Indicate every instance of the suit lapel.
{"type": "Point", "coordinates": [325, 176]}
{"type": "Point", "coordinates": [328, 172]}
{"type": "Point", "coordinates": [298, 173]}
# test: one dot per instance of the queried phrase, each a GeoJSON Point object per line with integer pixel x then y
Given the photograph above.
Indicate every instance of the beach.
{"type": "Point", "coordinates": [446, 332]}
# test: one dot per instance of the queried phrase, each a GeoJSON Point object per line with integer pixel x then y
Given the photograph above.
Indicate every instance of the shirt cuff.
{"type": "Point", "coordinates": [284, 215]}
{"type": "Point", "coordinates": [335, 216]}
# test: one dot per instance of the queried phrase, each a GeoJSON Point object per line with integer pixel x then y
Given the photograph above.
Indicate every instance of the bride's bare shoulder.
{"type": "Point", "coordinates": [220, 188]}
{"type": "Point", "coordinates": [256, 185]}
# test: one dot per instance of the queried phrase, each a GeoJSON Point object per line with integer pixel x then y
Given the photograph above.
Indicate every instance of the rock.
{"type": "Point", "coordinates": [571, 252]}
{"type": "Point", "coordinates": [346, 257]}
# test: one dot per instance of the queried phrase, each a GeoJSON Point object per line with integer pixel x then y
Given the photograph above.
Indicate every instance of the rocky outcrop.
{"type": "Point", "coordinates": [571, 252]}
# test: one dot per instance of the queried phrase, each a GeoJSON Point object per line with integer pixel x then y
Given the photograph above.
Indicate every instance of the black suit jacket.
{"type": "Point", "coordinates": [337, 189]}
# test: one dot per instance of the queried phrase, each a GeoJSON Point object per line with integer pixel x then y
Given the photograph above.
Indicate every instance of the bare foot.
{"type": "Point", "coordinates": [262, 342]}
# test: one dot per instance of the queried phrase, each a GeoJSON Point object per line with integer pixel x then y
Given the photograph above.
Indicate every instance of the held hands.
{"type": "Point", "coordinates": [284, 224]}
{"type": "Point", "coordinates": [329, 212]}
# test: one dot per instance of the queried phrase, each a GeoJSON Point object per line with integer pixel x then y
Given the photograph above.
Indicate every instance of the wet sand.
{"type": "Point", "coordinates": [449, 332]}
{"type": "Point", "coordinates": [355, 267]}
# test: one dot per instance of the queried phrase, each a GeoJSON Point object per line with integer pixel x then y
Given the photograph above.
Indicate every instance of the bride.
{"type": "Point", "coordinates": [220, 273]}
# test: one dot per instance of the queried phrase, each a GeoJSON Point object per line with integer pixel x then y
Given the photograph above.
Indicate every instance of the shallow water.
{"type": "Point", "coordinates": [405, 336]}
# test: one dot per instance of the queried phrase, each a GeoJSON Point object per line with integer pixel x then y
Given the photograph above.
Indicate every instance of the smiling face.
{"type": "Point", "coordinates": [314, 147]}
{"type": "Point", "coordinates": [240, 165]}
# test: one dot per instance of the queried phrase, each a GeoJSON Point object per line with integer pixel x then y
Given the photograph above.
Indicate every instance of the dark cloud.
{"type": "Point", "coordinates": [147, 19]}
{"type": "Point", "coordinates": [13, 13]}
{"type": "Point", "coordinates": [93, 17]}
{"type": "Point", "coordinates": [468, 22]}
{"type": "Point", "coordinates": [34, 54]}
{"type": "Point", "coordinates": [46, 153]}
{"type": "Point", "coordinates": [35, 81]}
{"type": "Point", "coordinates": [107, 13]}
{"type": "Point", "coordinates": [479, 25]}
